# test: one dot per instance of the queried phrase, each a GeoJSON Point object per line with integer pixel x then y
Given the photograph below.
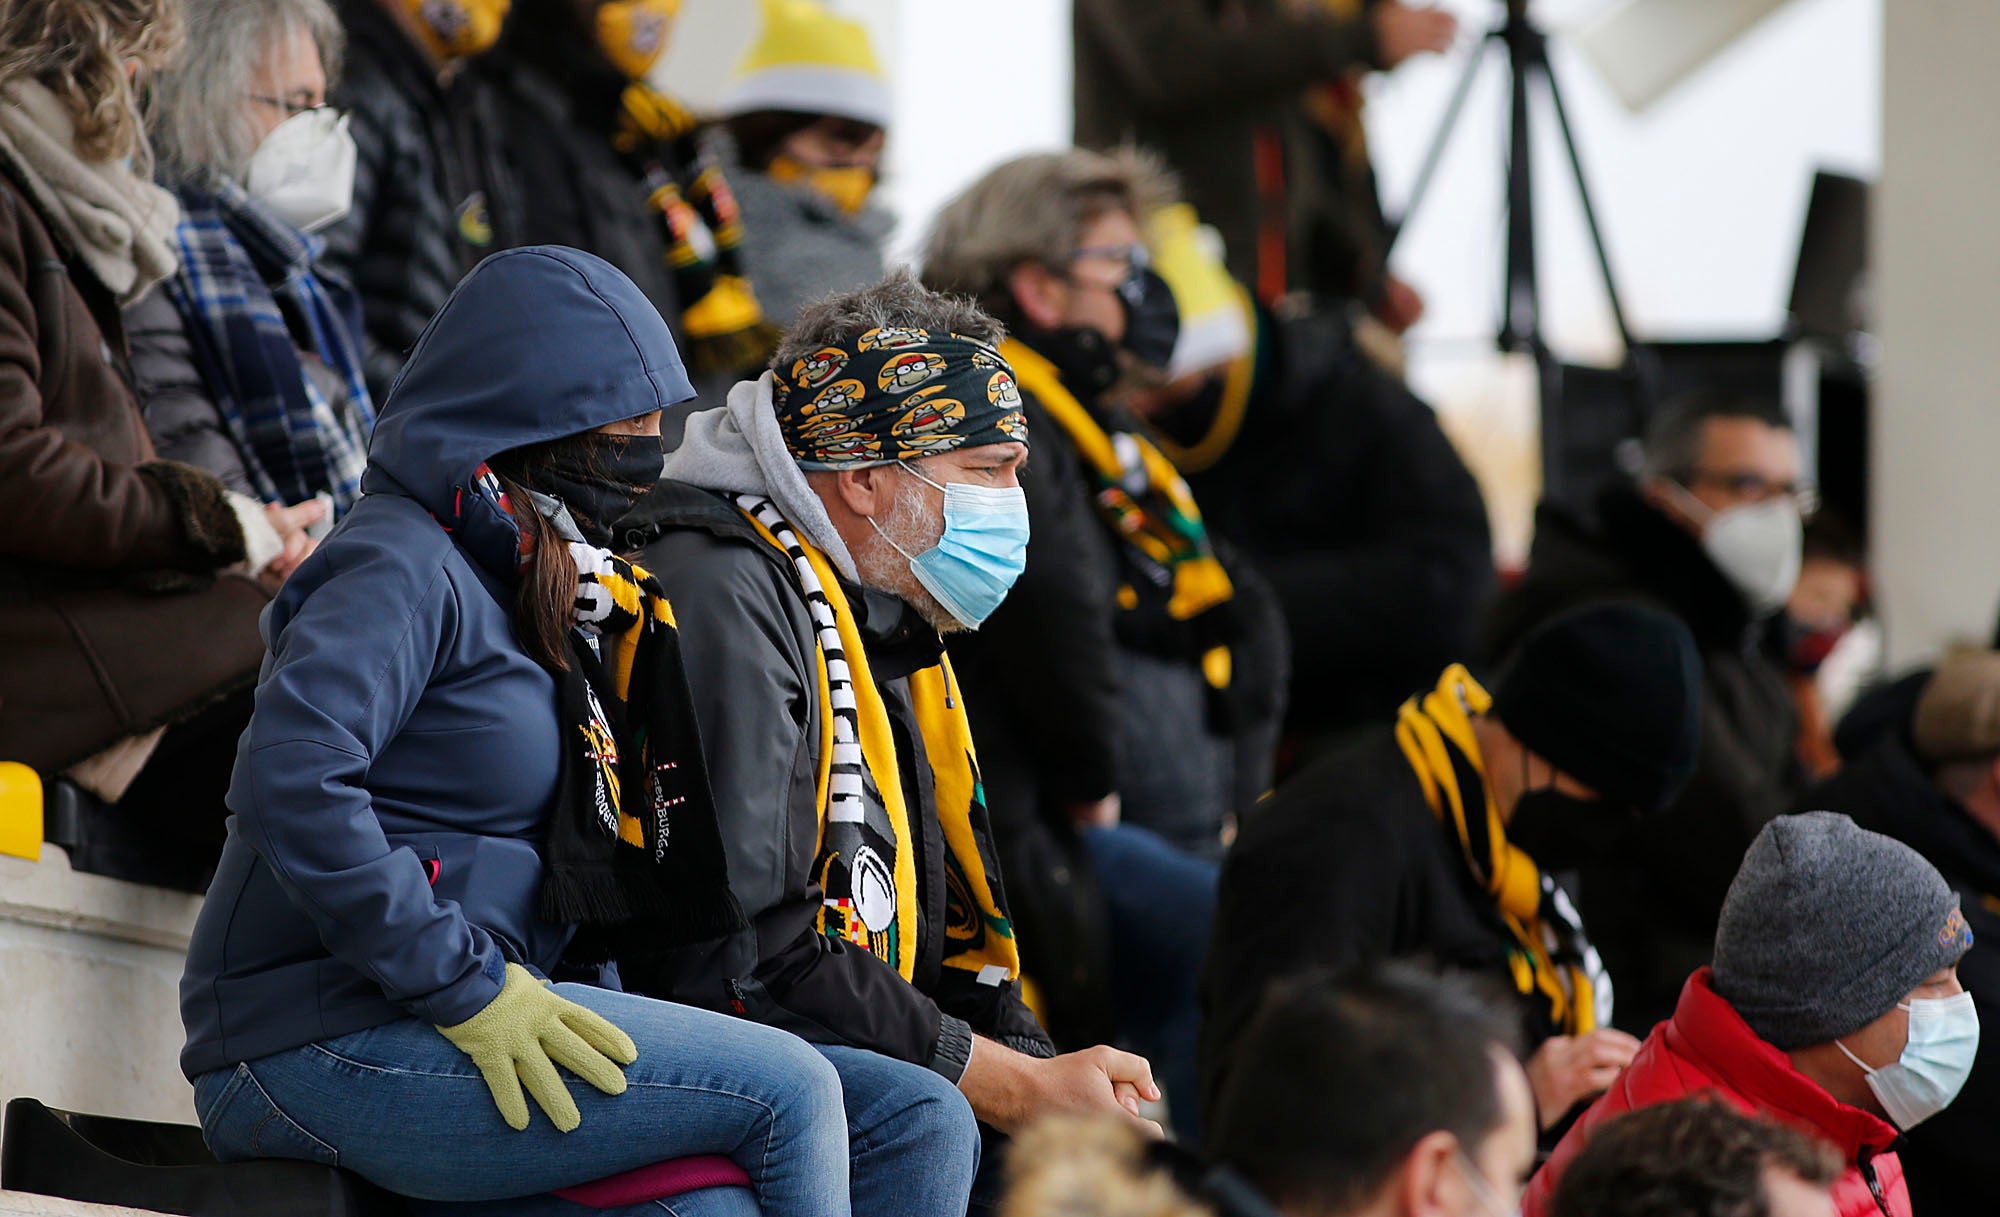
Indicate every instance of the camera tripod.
{"type": "Point", "coordinates": [1527, 50]}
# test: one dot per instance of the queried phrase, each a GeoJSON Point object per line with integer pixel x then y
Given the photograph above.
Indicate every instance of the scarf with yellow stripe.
{"type": "Point", "coordinates": [633, 853]}
{"type": "Point", "coordinates": [1144, 501]}
{"type": "Point", "coordinates": [1551, 959]}
{"type": "Point", "coordinates": [866, 864]}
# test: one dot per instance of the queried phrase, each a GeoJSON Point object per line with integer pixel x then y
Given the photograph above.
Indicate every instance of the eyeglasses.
{"type": "Point", "coordinates": [1134, 255]}
{"type": "Point", "coordinates": [1756, 488]}
{"type": "Point", "coordinates": [293, 109]}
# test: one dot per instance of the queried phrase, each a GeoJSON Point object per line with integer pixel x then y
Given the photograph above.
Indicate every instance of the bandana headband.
{"type": "Point", "coordinates": [895, 394]}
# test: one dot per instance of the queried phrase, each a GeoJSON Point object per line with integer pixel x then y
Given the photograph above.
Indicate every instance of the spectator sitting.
{"type": "Point", "coordinates": [245, 358]}
{"type": "Point", "coordinates": [1440, 838]}
{"type": "Point", "coordinates": [817, 535]}
{"type": "Point", "coordinates": [1699, 1158]}
{"type": "Point", "coordinates": [423, 800]}
{"type": "Point", "coordinates": [1710, 532]}
{"type": "Point", "coordinates": [1819, 615]}
{"type": "Point", "coordinates": [1334, 478]}
{"type": "Point", "coordinates": [806, 114]}
{"type": "Point", "coordinates": [639, 189]}
{"type": "Point", "coordinates": [1833, 1004]}
{"type": "Point", "coordinates": [1392, 1095]}
{"type": "Point", "coordinates": [1932, 781]}
{"type": "Point", "coordinates": [122, 603]}
{"type": "Point", "coordinates": [432, 188]}
{"type": "Point", "coordinates": [1132, 685]}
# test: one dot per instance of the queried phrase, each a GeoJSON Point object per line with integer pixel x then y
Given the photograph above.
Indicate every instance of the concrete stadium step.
{"type": "Point", "coordinates": [27, 1204]}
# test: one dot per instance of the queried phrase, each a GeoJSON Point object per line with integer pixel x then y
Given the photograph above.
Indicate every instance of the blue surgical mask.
{"type": "Point", "coordinates": [1944, 1039]}
{"type": "Point", "coordinates": [982, 552]}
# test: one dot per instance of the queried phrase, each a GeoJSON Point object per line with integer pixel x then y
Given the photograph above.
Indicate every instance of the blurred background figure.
{"type": "Point", "coordinates": [248, 359]}
{"type": "Point", "coordinates": [1699, 1158]}
{"type": "Point", "coordinates": [125, 597]}
{"type": "Point", "coordinates": [640, 188]}
{"type": "Point", "coordinates": [1711, 531]}
{"type": "Point", "coordinates": [1819, 619]}
{"type": "Point", "coordinates": [806, 113]}
{"type": "Point", "coordinates": [432, 190]}
{"type": "Point", "coordinates": [1930, 778]}
{"type": "Point", "coordinates": [1255, 105]}
{"type": "Point", "coordinates": [1333, 478]}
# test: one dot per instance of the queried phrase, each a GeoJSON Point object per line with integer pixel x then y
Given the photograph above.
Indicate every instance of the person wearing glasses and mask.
{"type": "Point", "coordinates": [1133, 683]}
{"type": "Point", "coordinates": [1712, 531]}
{"type": "Point", "coordinates": [248, 359]}
{"type": "Point", "coordinates": [1438, 836]}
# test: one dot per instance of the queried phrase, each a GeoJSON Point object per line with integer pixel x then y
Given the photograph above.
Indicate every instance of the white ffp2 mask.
{"type": "Point", "coordinates": [304, 169]}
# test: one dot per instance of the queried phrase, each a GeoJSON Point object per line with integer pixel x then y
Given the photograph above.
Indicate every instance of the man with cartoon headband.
{"type": "Point", "coordinates": [818, 534]}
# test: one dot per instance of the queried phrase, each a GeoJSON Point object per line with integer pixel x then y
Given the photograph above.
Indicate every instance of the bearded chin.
{"type": "Point", "coordinates": [911, 525]}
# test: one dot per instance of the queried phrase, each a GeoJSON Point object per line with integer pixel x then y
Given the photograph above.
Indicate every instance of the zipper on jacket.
{"type": "Point", "coordinates": [1867, 1166]}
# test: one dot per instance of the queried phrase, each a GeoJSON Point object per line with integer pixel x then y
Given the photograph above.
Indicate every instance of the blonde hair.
{"type": "Point", "coordinates": [77, 49]}
{"type": "Point", "coordinates": [1089, 1167]}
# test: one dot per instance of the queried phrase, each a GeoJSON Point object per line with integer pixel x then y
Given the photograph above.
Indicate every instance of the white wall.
{"type": "Point", "coordinates": [1937, 437]}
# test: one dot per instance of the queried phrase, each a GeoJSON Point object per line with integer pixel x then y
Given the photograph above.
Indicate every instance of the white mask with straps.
{"type": "Point", "coordinates": [304, 169]}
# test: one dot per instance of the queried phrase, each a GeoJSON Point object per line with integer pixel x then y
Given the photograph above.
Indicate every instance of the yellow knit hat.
{"type": "Point", "coordinates": [809, 60]}
{"type": "Point", "coordinates": [1215, 310]}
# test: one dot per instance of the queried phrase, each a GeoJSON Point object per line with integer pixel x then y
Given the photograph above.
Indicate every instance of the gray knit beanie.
{"type": "Point", "coordinates": [1828, 926]}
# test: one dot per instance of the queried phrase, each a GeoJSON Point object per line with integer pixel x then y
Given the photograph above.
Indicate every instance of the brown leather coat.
{"type": "Point", "coordinates": [112, 618]}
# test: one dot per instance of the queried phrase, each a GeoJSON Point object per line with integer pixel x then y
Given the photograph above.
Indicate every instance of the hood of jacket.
{"type": "Point", "coordinates": [536, 343]}
{"type": "Point", "coordinates": [738, 449]}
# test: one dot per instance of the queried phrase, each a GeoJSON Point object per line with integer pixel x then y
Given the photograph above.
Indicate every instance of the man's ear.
{"type": "Point", "coordinates": [1427, 1182]}
{"type": "Point", "coordinates": [868, 491]}
{"type": "Point", "coordinates": [1040, 294]}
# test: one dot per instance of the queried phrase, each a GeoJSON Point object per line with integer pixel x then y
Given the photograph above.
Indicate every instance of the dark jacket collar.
{"type": "Point", "coordinates": [898, 639]}
{"type": "Point", "coordinates": [1670, 564]}
{"type": "Point", "coordinates": [374, 32]}
{"type": "Point", "coordinates": [1706, 1029]}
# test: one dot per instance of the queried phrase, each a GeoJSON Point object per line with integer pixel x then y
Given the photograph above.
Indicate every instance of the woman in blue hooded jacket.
{"type": "Point", "coordinates": [366, 984]}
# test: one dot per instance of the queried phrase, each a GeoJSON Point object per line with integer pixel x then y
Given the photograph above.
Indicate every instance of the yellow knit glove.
{"type": "Point", "coordinates": [523, 1034]}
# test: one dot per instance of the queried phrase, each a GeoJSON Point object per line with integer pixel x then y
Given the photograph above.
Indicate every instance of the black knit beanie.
{"type": "Point", "coordinates": [1609, 694]}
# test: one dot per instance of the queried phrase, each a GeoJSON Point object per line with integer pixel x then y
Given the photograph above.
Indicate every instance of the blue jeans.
{"type": "Point", "coordinates": [402, 1107]}
{"type": "Point", "coordinates": [1161, 901]}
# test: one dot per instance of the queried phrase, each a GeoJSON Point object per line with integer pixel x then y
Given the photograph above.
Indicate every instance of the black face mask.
{"type": "Point", "coordinates": [1084, 360]}
{"type": "Point", "coordinates": [600, 480]}
{"type": "Point", "coordinates": [1152, 319]}
{"type": "Point", "coordinates": [1562, 832]}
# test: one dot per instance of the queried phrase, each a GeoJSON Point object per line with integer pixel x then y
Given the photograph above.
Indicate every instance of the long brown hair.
{"type": "Point", "coordinates": [77, 49]}
{"type": "Point", "coordinates": [545, 600]}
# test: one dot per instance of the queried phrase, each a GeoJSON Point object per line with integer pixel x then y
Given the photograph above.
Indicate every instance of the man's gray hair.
{"type": "Point", "coordinates": [201, 128]}
{"type": "Point", "coordinates": [1034, 209]}
{"type": "Point", "coordinates": [1676, 436]}
{"type": "Point", "coordinates": [899, 300]}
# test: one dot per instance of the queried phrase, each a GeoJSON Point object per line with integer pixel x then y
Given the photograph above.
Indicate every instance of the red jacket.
{"type": "Point", "coordinates": [1707, 1048]}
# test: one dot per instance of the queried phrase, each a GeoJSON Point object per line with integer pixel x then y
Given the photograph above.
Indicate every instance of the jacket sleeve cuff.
{"type": "Point", "coordinates": [953, 1051]}
{"type": "Point", "coordinates": [452, 1006]}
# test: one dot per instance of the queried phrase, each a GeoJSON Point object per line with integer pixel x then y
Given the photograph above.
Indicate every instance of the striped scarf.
{"type": "Point", "coordinates": [242, 273]}
{"type": "Point", "coordinates": [866, 866]}
{"type": "Point", "coordinates": [1550, 957]}
{"type": "Point", "coordinates": [1148, 506]}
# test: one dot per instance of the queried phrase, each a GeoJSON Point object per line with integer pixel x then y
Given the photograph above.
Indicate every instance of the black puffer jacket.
{"type": "Point", "coordinates": [1345, 493]}
{"type": "Point", "coordinates": [1652, 910]}
{"type": "Point", "coordinates": [432, 194]}
{"type": "Point", "coordinates": [1946, 1159]}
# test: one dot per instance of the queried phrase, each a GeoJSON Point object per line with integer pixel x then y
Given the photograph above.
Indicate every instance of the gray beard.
{"type": "Point", "coordinates": [911, 525]}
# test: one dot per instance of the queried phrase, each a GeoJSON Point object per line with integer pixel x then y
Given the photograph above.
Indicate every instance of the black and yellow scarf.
{"type": "Point", "coordinates": [633, 853]}
{"type": "Point", "coordinates": [866, 868]}
{"type": "Point", "coordinates": [1551, 959]}
{"type": "Point", "coordinates": [683, 181]}
{"type": "Point", "coordinates": [1147, 505]}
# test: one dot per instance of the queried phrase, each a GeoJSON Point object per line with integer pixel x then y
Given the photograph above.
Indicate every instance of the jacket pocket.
{"type": "Point", "coordinates": [239, 1121]}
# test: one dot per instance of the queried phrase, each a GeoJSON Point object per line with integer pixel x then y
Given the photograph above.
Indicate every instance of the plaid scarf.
{"type": "Point", "coordinates": [1551, 959]}
{"type": "Point", "coordinates": [242, 273]}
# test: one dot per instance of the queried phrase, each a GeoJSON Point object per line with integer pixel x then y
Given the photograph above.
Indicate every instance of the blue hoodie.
{"type": "Point", "coordinates": [391, 792]}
